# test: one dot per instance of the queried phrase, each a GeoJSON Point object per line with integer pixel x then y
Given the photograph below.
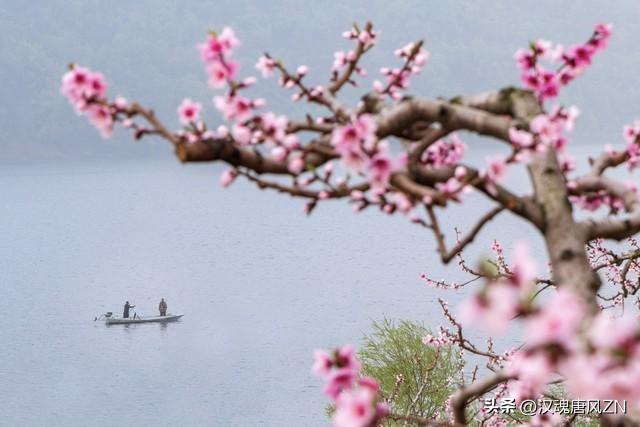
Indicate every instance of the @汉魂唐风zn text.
{"type": "Point", "coordinates": [560, 406]}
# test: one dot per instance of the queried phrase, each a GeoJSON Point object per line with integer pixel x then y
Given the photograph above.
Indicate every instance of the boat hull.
{"type": "Point", "coordinates": [153, 319]}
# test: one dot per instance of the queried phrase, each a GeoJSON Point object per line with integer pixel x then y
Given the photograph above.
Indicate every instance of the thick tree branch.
{"type": "Point", "coordinates": [397, 117]}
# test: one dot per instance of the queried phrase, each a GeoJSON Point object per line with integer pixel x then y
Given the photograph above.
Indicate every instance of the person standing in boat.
{"type": "Point", "coordinates": [162, 307]}
{"type": "Point", "coordinates": [127, 306]}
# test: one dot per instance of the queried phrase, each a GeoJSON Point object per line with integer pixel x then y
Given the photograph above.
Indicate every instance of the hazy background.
{"type": "Point", "coordinates": [87, 223]}
{"type": "Point", "coordinates": [147, 51]}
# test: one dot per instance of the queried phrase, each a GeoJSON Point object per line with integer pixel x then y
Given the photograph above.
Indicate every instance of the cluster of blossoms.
{"type": "Point", "coordinates": [569, 62]}
{"type": "Point", "coordinates": [248, 127]}
{"type": "Point", "coordinates": [454, 187]}
{"type": "Point", "coordinates": [443, 339]}
{"type": "Point", "coordinates": [631, 152]}
{"type": "Point", "coordinates": [439, 284]}
{"type": "Point", "coordinates": [444, 152]}
{"type": "Point", "coordinates": [600, 362]}
{"type": "Point", "coordinates": [267, 65]}
{"type": "Point", "coordinates": [398, 79]}
{"type": "Point", "coordinates": [597, 199]}
{"type": "Point", "coordinates": [621, 269]}
{"type": "Point", "coordinates": [551, 132]}
{"type": "Point", "coordinates": [356, 398]}
{"type": "Point", "coordinates": [498, 251]}
{"type": "Point", "coordinates": [594, 200]}
{"type": "Point", "coordinates": [389, 203]}
{"type": "Point", "coordinates": [361, 152]}
{"type": "Point", "coordinates": [607, 366]}
{"type": "Point", "coordinates": [546, 131]}
{"type": "Point", "coordinates": [194, 129]}
{"type": "Point", "coordinates": [549, 333]}
{"type": "Point", "coordinates": [216, 53]}
{"type": "Point", "coordinates": [366, 39]}
{"type": "Point", "coordinates": [86, 91]}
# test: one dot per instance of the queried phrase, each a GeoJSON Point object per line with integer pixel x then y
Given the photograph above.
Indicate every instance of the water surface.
{"type": "Point", "coordinates": [260, 284]}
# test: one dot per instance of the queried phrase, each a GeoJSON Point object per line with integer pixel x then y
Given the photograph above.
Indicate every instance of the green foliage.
{"type": "Point", "coordinates": [416, 379]}
{"type": "Point", "coordinates": [394, 349]}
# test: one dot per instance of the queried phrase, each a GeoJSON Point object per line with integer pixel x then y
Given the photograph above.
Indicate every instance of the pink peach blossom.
{"type": "Point", "coordinates": [338, 380]}
{"type": "Point", "coordinates": [557, 322]}
{"type": "Point", "coordinates": [279, 153]}
{"type": "Point", "coordinates": [266, 66]}
{"type": "Point", "coordinates": [218, 45]}
{"type": "Point", "coordinates": [241, 134]}
{"type": "Point", "coordinates": [616, 333]}
{"type": "Point", "coordinates": [496, 171]}
{"type": "Point", "coordinates": [355, 408]}
{"type": "Point", "coordinates": [533, 370]}
{"type": "Point", "coordinates": [302, 70]}
{"type": "Point", "coordinates": [189, 111]}
{"type": "Point", "coordinates": [273, 127]}
{"type": "Point", "coordinates": [101, 118]}
{"type": "Point", "coordinates": [368, 38]}
{"type": "Point", "coordinates": [631, 132]}
{"type": "Point", "coordinates": [296, 165]}
{"type": "Point", "coordinates": [235, 108]}
{"type": "Point", "coordinates": [291, 141]}
{"type": "Point", "coordinates": [81, 86]}
{"type": "Point", "coordinates": [602, 35]}
{"type": "Point", "coordinates": [322, 363]}
{"type": "Point", "coordinates": [350, 140]}
{"type": "Point", "coordinates": [451, 189]}
{"type": "Point", "coordinates": [380, 168]}
{"type": "Point", "coordinates": [220, 73]}
{"type": "Point", "coordinates": [445, 152]}
{"type": "Point", "coordinates": [523, 269]}
{"type": "Point", "coordinates": [120, 102]}
{"type": "Point", "coordinates": [493, 310]}
{"type": "Point", "coordinates": [569, 63]}
{"type": "Point", "coordinates": [520, 138]}
{"type": "Point", "coordinates": [546, 129]}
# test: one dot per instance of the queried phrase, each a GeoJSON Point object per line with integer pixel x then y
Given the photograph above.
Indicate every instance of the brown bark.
{"type": "Point", "coordinates": [565, 239]}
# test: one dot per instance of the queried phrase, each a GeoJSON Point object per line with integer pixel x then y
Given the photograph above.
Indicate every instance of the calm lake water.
{"type": "Point", "coordinates": [260, 284]}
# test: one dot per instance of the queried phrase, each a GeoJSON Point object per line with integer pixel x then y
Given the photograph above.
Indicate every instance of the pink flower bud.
{"type": "Point", "coordinates": [120, 102]}
{"type": "Point", "coordinates": [296, 165]}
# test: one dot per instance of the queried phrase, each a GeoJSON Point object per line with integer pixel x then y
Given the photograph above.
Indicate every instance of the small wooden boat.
{"type": "Point", "coordinates": [110, 320]}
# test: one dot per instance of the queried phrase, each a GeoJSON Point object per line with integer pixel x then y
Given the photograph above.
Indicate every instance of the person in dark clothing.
{"type": "Point", "coordinates": [126, 309]}
{"type": "Point", "coordinates": [162, 307]}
